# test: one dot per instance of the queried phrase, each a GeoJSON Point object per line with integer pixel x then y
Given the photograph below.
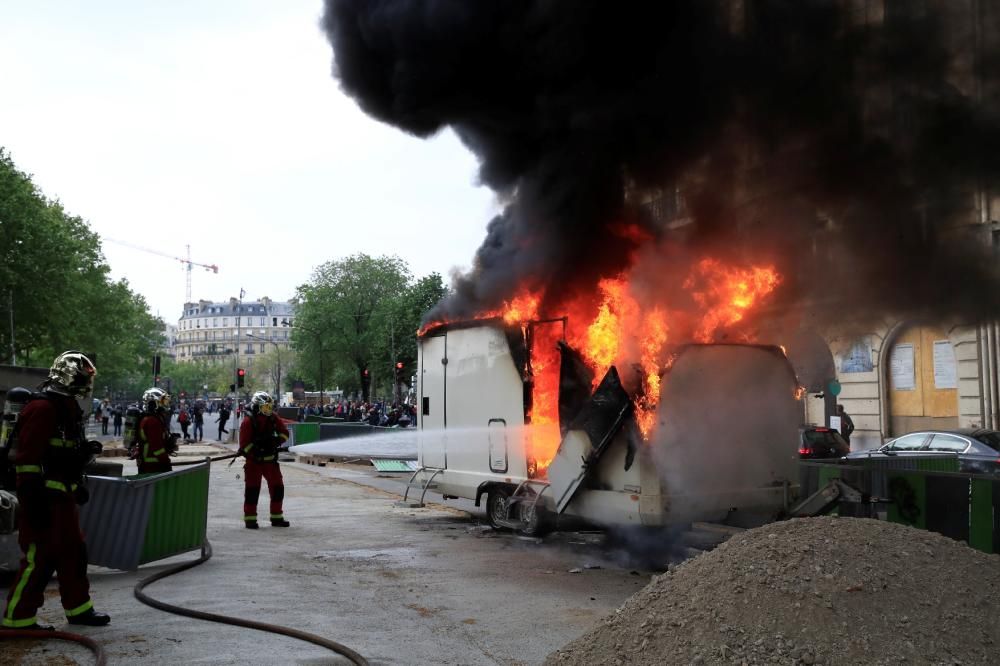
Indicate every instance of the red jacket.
{"type": "Point", "coordinates": [153, 439]}
{"type": "Point", "coordinates": [254, 439]}
{"type": "Point", "coordinates": [47, 430]}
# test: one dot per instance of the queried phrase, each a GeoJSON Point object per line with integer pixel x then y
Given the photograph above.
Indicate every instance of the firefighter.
{"type": "Point", "coordinates": [261, 433]}
{"type": "Point", "coordinates": [155, 441]}
{"type": "Point", "coordinates": [51, 452]}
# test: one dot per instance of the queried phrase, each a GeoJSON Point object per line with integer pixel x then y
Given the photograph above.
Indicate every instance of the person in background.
{"type": "Point", "coordinates": [155, 442]}
{"type": "Point", "coordinates": [118, 421]}
{"type": "Point", "coordinates": [199, 424]}
{"type": "Point", "coordinates": [105, 417]}
{"type": "Point", "coordinates": [184, 419]}
{"type": "Point", "coordinates": [222, 420]}
{"type": "Point", "coordinates": [846, 424]}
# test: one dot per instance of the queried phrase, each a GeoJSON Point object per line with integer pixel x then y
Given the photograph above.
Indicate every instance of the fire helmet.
{"type": "Point", "coordinates": [154, 399]}
{"type": "Point", "coordinates": [71, 374]}
{"type": "Point", "coordinates": [262, 402]}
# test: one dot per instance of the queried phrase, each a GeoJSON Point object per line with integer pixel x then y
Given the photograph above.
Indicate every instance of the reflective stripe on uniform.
{"type": "Point", "coordinates": [62, 443]}
{"type": "Point", "coordinates": [250, 518]}
{"type": "Point", "coordinates": [79, 610]}
{"type": "Point", "coordinates": [267, 459]}
{"type": "Point", "coordinates": [283, 436]}
{"type": "Point", "coordinates": [8, 618]}
{"type": "Point", "coordinates": [59, 485]}
{"type": "Point", "coordinates": [28, 469]}
{"type": "Point", "coordinates": [277, 516]}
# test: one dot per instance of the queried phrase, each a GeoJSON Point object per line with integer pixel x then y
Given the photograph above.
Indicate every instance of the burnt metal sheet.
{"type": "Point", "coordinates": [599, 420]}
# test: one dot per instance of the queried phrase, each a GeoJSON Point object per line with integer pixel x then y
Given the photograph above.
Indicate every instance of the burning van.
{"type": "Point", "coordinates": [511, 413]}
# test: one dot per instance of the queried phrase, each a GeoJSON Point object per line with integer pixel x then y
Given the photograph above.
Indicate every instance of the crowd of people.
{"type": "Point", "coordinates": [380, 413]}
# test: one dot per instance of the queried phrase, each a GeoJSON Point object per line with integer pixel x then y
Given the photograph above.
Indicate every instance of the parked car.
{"type": "Point", "coordinates": [977, 449]}
{"type": "Point", "coordinates": [819, 442]}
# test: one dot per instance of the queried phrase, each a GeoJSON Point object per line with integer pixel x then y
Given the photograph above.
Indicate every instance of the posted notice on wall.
{"type": "Point", "coordinates": [835, 424]}
{"type": "Point", "coordinates": [945, 370]}
{"type": "Point", "coordinates": [901, 368]}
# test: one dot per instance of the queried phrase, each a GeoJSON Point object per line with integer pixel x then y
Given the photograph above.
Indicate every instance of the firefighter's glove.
{"type": "Point", "coordinates": [81, 495]}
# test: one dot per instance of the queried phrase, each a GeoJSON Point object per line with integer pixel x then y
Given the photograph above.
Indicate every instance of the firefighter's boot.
{"type": "Point", "coordinates": [251, 524]}
{"type": "Point", "coordinates": [91, 618]}
{"type": "Point", "coordinates": [279, 522]}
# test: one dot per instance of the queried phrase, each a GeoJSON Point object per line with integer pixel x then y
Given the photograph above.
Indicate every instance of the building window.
{"type": "Point", "coordinates": [215, 322]}
{"type": "Point", "coordinates": [262, 320]}
{"type": "Point", "coordinates": [225, 321]}
{"type": "Point", "coordinates": [262, 348]}
{"type": "Point", "coordinates": [274, 321]}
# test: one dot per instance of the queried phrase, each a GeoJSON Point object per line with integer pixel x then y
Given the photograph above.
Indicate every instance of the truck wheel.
{"type": "Point", "coordinates": [536, 521]}
{"type": "Point", "coordinates": [497, 502]}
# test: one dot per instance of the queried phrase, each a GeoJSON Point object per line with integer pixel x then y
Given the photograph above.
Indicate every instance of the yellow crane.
{"type": "Point", "coordinates": [187, 262]}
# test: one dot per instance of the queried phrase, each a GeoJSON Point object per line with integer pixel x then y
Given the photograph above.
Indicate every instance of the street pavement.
{"type": "Point", "coordinates": [399, 585]}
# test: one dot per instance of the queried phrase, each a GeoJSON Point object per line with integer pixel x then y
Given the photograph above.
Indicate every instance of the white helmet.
{"type": "Point", "coordinates": [155, 399]}
{"type": "Point", "coordinates": [262, 402]}
{"type": "Point", "coordinates": [71, 374]}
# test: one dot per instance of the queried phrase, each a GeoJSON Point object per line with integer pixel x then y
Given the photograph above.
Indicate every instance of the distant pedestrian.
{"type": "Point", "coordinates": [199, 424]}
{"type": "Point", "coordinates": [184, 419]}
{"type": "Point", "coordinates": [105, 418]}
{"type": "Point", "coordinates": [846, 424]}
{"type": "Point", "coordinates": [223, 419]}
{"type": "Point", "coordinates": [118, 421]}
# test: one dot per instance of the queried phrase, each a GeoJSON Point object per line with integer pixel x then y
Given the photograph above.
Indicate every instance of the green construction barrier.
{"type": "Point", "coordinates": [909, 499]}
{"type": "Point", "coordinates": [178, 516]}
{"type": "Point", "coordinates": [304, 433]}
{"type": "Point", "coordinates": [981, 521]}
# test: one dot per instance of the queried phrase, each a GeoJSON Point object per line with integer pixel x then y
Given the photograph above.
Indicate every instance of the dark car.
{"type": "Point", "coordinates": [977, 449]}
{"type": "Point", "coordinates": [819, 442]}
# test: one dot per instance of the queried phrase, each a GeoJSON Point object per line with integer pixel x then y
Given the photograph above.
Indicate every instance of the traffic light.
{"type": "Point", "coordinates": [241, 375]}
{"type": "Point", "coordinates": [156, 367]}
{"type": "Point", "coordinates": [399, 371]}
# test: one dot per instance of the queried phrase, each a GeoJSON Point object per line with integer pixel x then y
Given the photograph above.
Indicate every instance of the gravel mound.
{"type": "Point", "coordinates": [811, 591]}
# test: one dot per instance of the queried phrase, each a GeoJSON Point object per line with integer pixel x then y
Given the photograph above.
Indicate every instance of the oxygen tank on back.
{"type": "Point", "coordinates": [16, 399]}
{"type": "Point", "coordinates": [131, 433]}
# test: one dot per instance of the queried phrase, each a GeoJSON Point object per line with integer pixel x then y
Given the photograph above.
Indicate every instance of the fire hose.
{"type": "Point", "coordinates": [101, 658]}
{"type": "Point", "coordinates": [332, 645]}
{"type": "Point", "coordinates": [45, 634]}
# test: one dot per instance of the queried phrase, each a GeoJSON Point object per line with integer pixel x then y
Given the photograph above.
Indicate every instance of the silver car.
{"type": "Point", "coordinates": [977, 449]}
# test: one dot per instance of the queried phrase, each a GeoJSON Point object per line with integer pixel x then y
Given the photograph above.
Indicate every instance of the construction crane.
{"type": "Point", "coordinates": [187, 262]}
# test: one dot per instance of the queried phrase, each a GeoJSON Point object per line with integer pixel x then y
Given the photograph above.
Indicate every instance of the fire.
{"type": "Point", "coordinates": [725, 294]}
{"type": "Point", "coordinates": [616, 328]}
{"type": "Point", "coordinates": [604, 334]}
{"type": "Point", "coordinates": [654, 337]}
{"type": "Point", "coordinates": [520, 309]}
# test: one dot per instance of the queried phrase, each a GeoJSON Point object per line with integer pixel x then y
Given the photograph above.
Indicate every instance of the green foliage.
{"type": "Point", "coordinates": [58, 285]}
{"type": "Point", "coordinates": [363, 312]}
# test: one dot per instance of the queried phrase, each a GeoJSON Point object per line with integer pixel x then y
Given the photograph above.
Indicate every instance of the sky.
{"type": "Point", "coordinates": [219, 125]}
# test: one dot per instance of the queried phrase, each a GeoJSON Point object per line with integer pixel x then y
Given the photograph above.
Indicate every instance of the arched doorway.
{"type": "Point", "coordinates": [921, 374]}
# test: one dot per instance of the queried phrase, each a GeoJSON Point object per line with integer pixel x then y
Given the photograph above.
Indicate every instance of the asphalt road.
{"type": "Point", "coordinates": [400, 586]}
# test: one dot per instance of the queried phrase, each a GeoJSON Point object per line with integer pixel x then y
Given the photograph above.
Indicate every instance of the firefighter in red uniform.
{"type": "Point", "coordinates": [156, 442]}
{"type": "Point", "coordinates": [50, 455]}
{"type": "Point", "coordinates": [261, 433]}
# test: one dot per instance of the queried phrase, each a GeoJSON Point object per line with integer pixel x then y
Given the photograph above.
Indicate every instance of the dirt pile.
{"type": "Point", "coordinates": [810, 591]}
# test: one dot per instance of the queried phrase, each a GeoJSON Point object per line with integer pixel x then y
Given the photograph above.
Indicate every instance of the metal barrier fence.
{"type": "Point", "coordinates": [138, 519]}
{"type": "Point", "coordinates": [928, 493]}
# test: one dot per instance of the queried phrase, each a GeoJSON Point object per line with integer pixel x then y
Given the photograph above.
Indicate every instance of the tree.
{"type": "Point", "coordinates": [271, 370]}
{"type": "Point", "coordinates": [406, 312]}
{"type": "Point", "coordinates": [345, 310]}
{"type": "Point", "coordinates": [58, 287]}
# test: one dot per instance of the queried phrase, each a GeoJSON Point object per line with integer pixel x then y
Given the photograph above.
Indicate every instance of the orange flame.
{"type": "Point", "coordinates": [616, 328]}
{"type": "Point", "coordinates": [725, 294]}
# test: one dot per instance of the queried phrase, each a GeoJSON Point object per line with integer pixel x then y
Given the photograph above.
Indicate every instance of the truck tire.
{"type": "Point", "coordinates": [496, 505]}
{"type": "Point", "coordinates": [537, 521]}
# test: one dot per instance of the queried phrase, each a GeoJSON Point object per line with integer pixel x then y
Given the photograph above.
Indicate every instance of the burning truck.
{"type": "Point", "coordinates": [517, 411]}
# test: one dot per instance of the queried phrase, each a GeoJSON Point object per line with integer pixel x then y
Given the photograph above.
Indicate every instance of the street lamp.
{"type": "Point", "coordinates": [277, 383]}
{"type": "Point", "coordinates": [319, 343]}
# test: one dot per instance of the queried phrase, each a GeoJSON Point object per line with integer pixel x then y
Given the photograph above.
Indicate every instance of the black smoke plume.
{"type": "Point", "coordinates": [848, 142]}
